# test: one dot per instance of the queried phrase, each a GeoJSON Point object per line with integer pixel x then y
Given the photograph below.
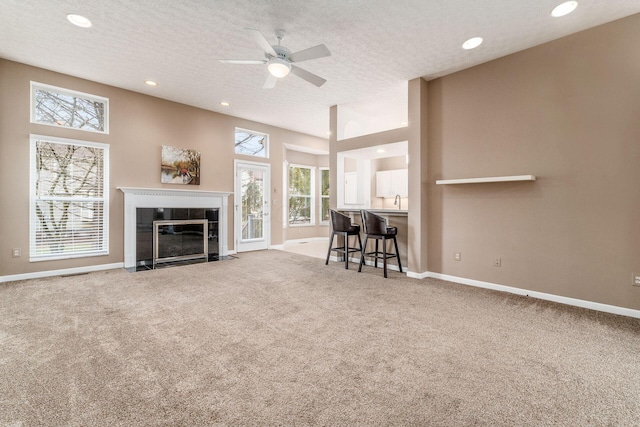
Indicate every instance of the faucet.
{"type": "Point", "coordinates": [398, 201]}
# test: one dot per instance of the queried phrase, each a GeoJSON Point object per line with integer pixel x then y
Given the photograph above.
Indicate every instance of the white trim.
{"type": "Point", "coordinates": [33, 198]}
{"type": "Point", "coordinates": [285, 194]}
{"type": "Point", "coordinates": [415, 275]}
{"type": "Point", "coordinates": [277, 247]}
{"type": "Point", "coordinates": [488, 179]}
{"type": "Point", "coordinates": [254, 244]}
{"type": "Point", "coordinates": [162, 198]}
{"type": "Point", "coordinates": [312, 196]}
{"type": "Point", "coordinates": [308, 239]}
{"type": "Point", "coordinates": [64, 271]}
{"type": "Point", "coordinates": [321, 197]}
{"type": "Point", "coordinates": [622, 311]}
{"type": "Point", "coordinates": [64, 91]}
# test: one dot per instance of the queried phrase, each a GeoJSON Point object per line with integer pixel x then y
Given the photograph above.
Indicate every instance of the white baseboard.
{"type": "Point", "coordinates": [61, 272]}
{"type": "Point", "coordinates": [277, 247]}
{"type": "Point", "coordinates": [414, 275]}
{"type": "Point", "coordinates": [535, 294]}
{"type": "Point", "coordinates": [308, 239]}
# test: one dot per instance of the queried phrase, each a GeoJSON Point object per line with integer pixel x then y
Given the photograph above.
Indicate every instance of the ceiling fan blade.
{"type": "Point", "coordinates": [270, 83]}
{"type": "Point", "coordinates": [242, 61]}
{"type": "Point", "coordinates": [310, 77]}
{"type": "Point", "coordinates": [319, 51]}
{"type": "Point", "coordinates": [262, 42]}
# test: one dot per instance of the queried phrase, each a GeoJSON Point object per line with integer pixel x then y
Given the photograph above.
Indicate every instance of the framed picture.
{"type": "Point", "coordinates": [180, 166]}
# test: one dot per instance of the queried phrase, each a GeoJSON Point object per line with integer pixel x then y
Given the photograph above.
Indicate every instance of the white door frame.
{"type": "Point", "coordinates": [265, 241]}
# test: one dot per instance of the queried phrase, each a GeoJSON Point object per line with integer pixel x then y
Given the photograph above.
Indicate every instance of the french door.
{"type": "Point", "coordinates": [252, 224]}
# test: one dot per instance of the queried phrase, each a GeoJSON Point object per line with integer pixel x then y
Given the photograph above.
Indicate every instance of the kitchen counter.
{"type": "Point", "coordinates": [382, 212]}
{"type": "Point", "coordinates": [395, 218]}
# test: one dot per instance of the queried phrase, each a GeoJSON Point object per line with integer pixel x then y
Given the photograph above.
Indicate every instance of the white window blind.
{"type": "Point", "coordinates": [69, 215]}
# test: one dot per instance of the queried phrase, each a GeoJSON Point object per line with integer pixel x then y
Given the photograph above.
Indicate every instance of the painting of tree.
{"type": "Point", "coordinates": [180, 166]}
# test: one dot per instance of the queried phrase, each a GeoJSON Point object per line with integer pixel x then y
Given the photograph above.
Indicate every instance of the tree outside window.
{"type": "Point", "coordinates": [301, 195]}
{"type": "Point", "coordinates": [324, 195]}
{"type": "Point", "coordinates": [251, 143]}
{"type": "Point", "coordinates": [66, 108]}
{"type": "Point", "coordinates": [69, 198]}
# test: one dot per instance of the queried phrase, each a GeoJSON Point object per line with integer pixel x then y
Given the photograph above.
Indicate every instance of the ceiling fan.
{"type": "Point", "coordinates": [280, 60]}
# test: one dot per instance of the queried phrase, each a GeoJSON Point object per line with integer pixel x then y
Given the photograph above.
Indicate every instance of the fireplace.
{"type": "Point", "coordinates": [180, 240]}
{"type": "Point", "coordinates": [143, 206]}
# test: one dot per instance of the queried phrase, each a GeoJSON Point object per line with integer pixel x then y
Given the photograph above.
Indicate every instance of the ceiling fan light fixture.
{"type": "Point", "coordinates": [278, 67]}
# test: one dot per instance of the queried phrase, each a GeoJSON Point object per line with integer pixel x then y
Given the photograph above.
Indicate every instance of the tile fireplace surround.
{"type": "Point", "coordinates": [135, 198]}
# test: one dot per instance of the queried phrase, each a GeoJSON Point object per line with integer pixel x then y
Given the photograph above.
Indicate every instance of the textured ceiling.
{"type": "Point", "coordinates": [376, 45]}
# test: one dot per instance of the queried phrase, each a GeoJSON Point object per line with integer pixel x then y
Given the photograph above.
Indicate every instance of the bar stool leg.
{"type": "Point", "coordinates": [375, 260]}
{"type": "Point", "coordinates": [330, 245]}
{"type": "Point", "coordinates": [395, 242]}
{"type": "Point", "coordinates": [364, 249]}
{"type": "Point", "coordinates": [384, 254]}
{"type": "Point", "coordinates": [346, 251]}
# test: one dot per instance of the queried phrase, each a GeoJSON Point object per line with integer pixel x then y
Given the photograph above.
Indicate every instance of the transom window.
{"type": "Point", "coordinates": [56, 106]}
{"type": "Point", "coordinates": [252, 143]}
{"type": "Point", "coordinates": [301, 195]}
{"type": "Point", "coordinates": [69, 196]}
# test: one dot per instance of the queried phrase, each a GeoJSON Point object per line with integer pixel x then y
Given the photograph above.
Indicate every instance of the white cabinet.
{"type": "Point", "coordinates": [351, 188]}
{"type": "Point", "coordinates": [391, 183]}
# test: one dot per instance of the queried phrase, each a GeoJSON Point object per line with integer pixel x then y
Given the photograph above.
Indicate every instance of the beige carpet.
{"type": "Point", "coordinates": [274, 338]}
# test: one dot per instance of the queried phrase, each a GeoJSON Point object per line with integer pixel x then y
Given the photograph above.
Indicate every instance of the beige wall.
{"type": "Point", "coordinates": [139, 126]}
{"type": "Point", "coordinates": [569, 113]}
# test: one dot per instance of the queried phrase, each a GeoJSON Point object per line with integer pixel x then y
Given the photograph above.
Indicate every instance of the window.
{"type": "Point", "coordinates": [69, 215]}
{"type": "Point", "coordinates": [252, 143]}
{"type": "Point", "coordinates": [301, 203]}
{"type": "Point", "coordinates": [324, 195]}
{"type": "Point", "coordinates": [56, 106]}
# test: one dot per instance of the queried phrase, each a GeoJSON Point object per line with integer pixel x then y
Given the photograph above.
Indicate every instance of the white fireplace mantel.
{"type": "Point", "coordinates": [164, 198]}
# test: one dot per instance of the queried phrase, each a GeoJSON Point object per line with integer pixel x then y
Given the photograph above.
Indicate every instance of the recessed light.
{"type": "Point", "coordinates": [403, 123]}
{"type": "Point", "coordinates": [78, 20]}
{"type": "Point", "coordinates": [329, 133]}
{"type": "Point", "coordinates": [224, 103]}
{"type": "Point", "coordinates": [564, 9]}
{"type": "Point", "coordinates": [150, 83]}
{"type": "Point", "coordinates": [472, 43]}
{"type": "Point", "coordinates": [380, 150]}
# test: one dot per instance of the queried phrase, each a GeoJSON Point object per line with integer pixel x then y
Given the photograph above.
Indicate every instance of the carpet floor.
{"type": "Point", "coordinates": [274, 338]}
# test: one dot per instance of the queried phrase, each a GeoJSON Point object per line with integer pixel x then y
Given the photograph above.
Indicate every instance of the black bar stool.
{"type": "Point", "coordinates": [375, 227]}
{"type": "Point", "coordinates": [341, 225]}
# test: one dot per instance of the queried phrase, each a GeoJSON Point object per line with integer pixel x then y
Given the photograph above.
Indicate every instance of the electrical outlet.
{"type": "Point", "coordinates": [15, 252]}
{"type": "Point", "coordinates": [497, 262]}
{"type": "Point", "coordinates": [636, 279]}
{"type": "Point", "coordinates": [457, 256]}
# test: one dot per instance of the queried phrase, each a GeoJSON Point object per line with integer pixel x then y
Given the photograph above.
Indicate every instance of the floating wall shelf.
{"type": "Point", "coordinates": [488, 179]}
